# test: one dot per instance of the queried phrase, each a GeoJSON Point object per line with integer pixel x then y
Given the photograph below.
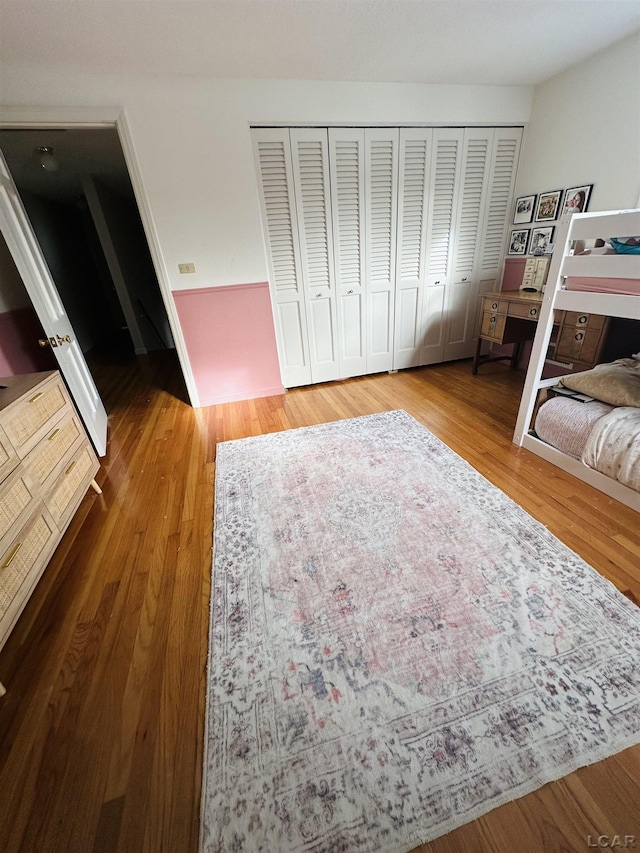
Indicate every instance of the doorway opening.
{"type": "Point", "coordinates": [76, 190]}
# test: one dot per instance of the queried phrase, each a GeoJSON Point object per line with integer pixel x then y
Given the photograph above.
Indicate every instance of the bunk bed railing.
{"type": "Point", "coordinates": [580, 226]}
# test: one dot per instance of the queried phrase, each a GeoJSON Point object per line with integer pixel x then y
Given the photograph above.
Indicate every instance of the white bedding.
{"type": "Point", "coordinates": [613, 446]}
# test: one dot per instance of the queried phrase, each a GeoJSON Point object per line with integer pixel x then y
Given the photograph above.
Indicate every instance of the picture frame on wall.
{"type": "Point", "coordinates": [548, 204]}
{"type": "Point", "coordinates": [524, 208]}
{"type": "Point", "coordinates": [541, 240]}
{"type": "Point", "coordinates": [518, 239]}
{"type": "Point", "coordinates": [576, 199]}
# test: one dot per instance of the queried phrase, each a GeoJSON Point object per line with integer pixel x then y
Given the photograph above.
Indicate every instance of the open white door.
{"type": "Point", "coordinates": [33, 269]}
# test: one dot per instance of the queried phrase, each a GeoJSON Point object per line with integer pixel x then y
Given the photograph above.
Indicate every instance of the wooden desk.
{"type": "Point", "coordinates": [508, 317]}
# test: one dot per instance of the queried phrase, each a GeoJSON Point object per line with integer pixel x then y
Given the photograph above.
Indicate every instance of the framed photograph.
{"type": "Point", "coordinates": [541, 240]}
{"type": "Point", "coordinates": [518, 241]}
{"type": "Point", "coordinates": [524, 209]}
{"type": "Point", "coordinates": [548, 204]}
{"type": "Point", "coordinates": [576, 199]}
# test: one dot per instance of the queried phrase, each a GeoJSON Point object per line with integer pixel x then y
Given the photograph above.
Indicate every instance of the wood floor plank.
{"type": "Point", "coordinates": [101, 731]}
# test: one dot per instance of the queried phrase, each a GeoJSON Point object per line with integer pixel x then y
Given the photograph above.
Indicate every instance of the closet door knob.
{"type": "Point", "coordinates": [349, 291]}
{"type": "Point", "coordinates": [318, 295]}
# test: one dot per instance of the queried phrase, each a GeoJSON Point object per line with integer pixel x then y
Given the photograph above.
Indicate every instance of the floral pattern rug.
{"type": "Point", "coordinates": [396, 647]}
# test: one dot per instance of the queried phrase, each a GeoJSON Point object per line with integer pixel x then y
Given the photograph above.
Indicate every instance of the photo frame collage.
{"type": "Point", "coordinates": [543, 208]}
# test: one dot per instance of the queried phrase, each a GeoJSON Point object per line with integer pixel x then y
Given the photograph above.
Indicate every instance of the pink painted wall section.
{"type": "Point", "coordinates": [231, 342]}
{"type": "Point", "coordinates": [19, 350]}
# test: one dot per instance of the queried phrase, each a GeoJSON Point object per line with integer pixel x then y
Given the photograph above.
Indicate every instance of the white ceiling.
{"type": "Point", "coordinates": [493, 42]}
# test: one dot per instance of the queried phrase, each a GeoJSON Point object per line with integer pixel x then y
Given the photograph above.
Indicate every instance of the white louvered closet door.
{"type": "Point", "coordinates": [413, 198]}
{"type": "Point", "coordinates": [495, 226]}
{"type": "Point", "coordinates": [310, 156]}
{"type": "Point", "coordinates": [446, 158]}
{"type": "Point", "coordinates": [346, 157]}
{"type": "Point", "coordinates": [381, 202]}
{"type": "Point", "coordinates": [462, 293]}
{"type": "Point", "coordinates": [273, 157]}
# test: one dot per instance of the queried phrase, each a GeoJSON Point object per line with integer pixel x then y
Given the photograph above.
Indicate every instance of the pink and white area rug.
{"type": "Point", "coordinates": [396, 647]}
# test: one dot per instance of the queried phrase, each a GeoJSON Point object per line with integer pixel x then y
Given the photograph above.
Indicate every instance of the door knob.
{"type": "Point", "coordinates": [54, 342]}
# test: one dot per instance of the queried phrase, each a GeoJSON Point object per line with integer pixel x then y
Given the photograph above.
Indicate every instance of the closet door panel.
{"type": "Point", "coordinates": [461, 304]}
{"type": "Point", "coordinates": [381, 200]}
{"type": "Point", "coordinates": [432, 328]}
{"type": "Point", "coordinates": [413, 189]}
{"type": "Point", "coordinates": [495, 226]}
{"type": "Point", "coordinates": [294, 335]}
{"type": "Point", "coordinates": [279, 216]}
{"type": "Point", "coordinates": [446, 158]}
{"type": "Point", "coordinates": [310, 157]}
{"type": "Point", "coordinates": [380, 332]}
{"type": "Point", "coordinates": [407, 330]}
{"type": "Point", "coordinates": [352, 352]}
{"type": "Point", "coordinates": [346, 156]}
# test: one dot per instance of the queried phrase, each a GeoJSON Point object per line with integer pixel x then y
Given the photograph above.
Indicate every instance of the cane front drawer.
{"type": "Point", "coordinates": [47, 459]}
{"type": "Point", "coordinates": [22, 564]}
{"type": "Point", "coordinates": [8, 456]}
{"type": "Point", "coordinates": [71, 485]}
{"type": "Point", "coordinates": [30, 419]}
{"type": "Point", "coordinates": [18, 498]}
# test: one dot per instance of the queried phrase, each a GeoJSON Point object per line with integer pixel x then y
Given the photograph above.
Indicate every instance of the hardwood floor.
{"type": "Point", "coordinates": [101, 729]}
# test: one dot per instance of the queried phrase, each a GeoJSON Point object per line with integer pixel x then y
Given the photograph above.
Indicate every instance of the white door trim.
{"type": "Point", "coordinates": [91, 117]}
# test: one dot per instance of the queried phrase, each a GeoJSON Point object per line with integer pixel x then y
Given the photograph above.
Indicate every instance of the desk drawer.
{"type": "Point", "coordinates": [493, 326]}
{"type": "Point", "coordinates": [584, 321]}
{"type": "Point", "coordinates": [494, 306]}
{"type": "Point", "coordinates": [578, 344]}
{"type": "Point", "coordinates": [522, 309]}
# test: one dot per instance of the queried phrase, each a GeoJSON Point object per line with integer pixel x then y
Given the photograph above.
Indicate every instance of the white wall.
{"type": "Point", "coordinates": [585, 129]}
{"type": "Point", "coordinates": [193, 146]}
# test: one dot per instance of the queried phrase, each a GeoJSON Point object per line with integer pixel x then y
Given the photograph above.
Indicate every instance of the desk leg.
{"type": "Point", "coordinates": [515, 356]}
{"type": "Point", "coordinates": [476, 357]}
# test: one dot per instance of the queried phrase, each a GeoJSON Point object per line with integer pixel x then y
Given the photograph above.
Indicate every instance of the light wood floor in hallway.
{"type": "Point", "coordinates": [101, 729]}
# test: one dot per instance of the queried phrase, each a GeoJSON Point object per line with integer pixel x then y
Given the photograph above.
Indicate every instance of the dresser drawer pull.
{"type": "Point", "coordinates": [494, 305]}
{"type": "Point", "coordinates": [12, 555]}
{"type": "Point", "coordinates": [533, 312]}
{"type": "Point", "coordinates": [583, 319]}
{"type": "Point", "coordinates": [579, 336]}
{"type": "Point", "coordinates": [71, 467]}
{"type": "Point", "coordinates": [493, 319]}
{"type": "Point", "coordinates": [54, 434]}
{"type": "Point", "coordinates": [36, 397]}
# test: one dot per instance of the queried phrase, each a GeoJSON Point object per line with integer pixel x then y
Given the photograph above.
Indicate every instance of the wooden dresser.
{"type": "Point", "coordinates": [46, 465]}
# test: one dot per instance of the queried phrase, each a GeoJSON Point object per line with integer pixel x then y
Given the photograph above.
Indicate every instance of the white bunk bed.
{"type": "Point", "coordinates": [609, 285]}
